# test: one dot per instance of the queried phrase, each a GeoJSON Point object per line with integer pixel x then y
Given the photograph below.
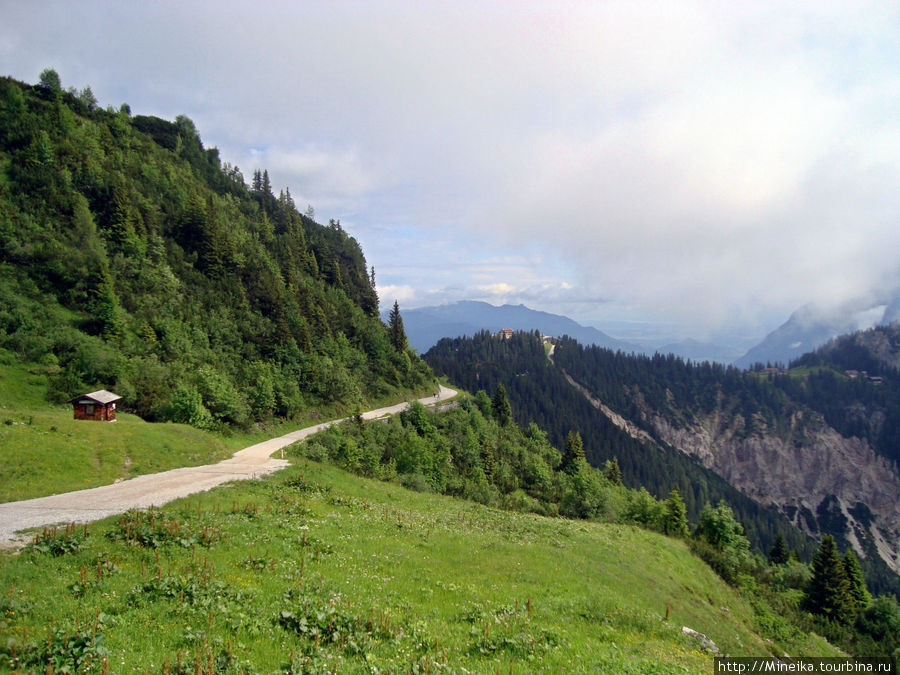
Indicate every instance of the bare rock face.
{"type": "Point", "coordinates": [808, 471]}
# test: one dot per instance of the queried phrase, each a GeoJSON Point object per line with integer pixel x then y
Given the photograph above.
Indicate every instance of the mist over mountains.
{"type": "Point", "coordinates": [806, 329]}
{"type": "Point", "coordinates": [811, 326]}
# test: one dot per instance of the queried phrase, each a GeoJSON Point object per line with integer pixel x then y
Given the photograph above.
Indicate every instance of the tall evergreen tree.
{"type": "Point", "coordinates": [828, 591]}
{"type": "Point", "coordinates": [500, 408]}
{"type": "Point", "coordinates": [675, 515]}
{"type": "Point", "coordinates": [859, 595]}
{"type": "Point", "coordinates": [612, 472]}
{"type": "Point", "coordinates": [779, 555]}
{"type": "Point", "coordinates": [395, 327]}
{"type": "Point", "coordinates": [573, 452]}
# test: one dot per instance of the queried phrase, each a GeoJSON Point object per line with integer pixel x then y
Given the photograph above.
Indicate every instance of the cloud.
{"type": "Point", "coordinates": [698, 162]}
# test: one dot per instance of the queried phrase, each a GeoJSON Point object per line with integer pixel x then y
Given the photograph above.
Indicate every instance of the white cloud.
{"type": "Point", "coordinates": [698, 161]}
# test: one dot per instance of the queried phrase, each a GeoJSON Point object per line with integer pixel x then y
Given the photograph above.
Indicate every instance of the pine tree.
{"type": "Point", "coordinates": [779, 554]}
{"type": "Point", "coordinates": [500, 408]}
{"type": "Point", "coordinates": [675, 516]}
{"type": "Point", "coordinates": [395, 327]}
{"type": "Point", "coordinates": [612, 472]}
{"type": "Point", "coordinates": [573, 452]}
{"type": "Point", "coordinates": [256, 185]}
{"type": "Point", "coordinates": [828, 591]}
{"type": "Point", "coordinates": [266, 185]}
{"type": "Point", "coordinates": [858, 594]}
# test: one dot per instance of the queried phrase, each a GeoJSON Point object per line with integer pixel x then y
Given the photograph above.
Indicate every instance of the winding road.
{"type": "Point", "coordinates": [157, 489]}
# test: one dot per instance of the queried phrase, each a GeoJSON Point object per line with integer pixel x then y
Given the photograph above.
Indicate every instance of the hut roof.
{"type": "Point", "coordinates": [100, 396]}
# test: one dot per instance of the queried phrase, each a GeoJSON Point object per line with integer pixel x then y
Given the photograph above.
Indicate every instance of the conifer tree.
{"type": "Point", "coordinates": [395, 327]}
{"type": "Point", "coordinates": [500, 408]}
{"type": "Point", "coordinates": [612, 472]}
{"type": "Point", "coordinates": [828, 591]}
{"type": "Point", "coordinates": [573, 452]}
{"type": "Point", "coordinates": [779, 554]}
{"type": "Point", "coordinates": [858, 594]}
{"type": "Point", "coordinates": [675, 516]}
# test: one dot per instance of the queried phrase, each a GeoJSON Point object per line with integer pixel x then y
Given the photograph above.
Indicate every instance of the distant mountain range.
{"type": "Point", "coordinates": [811, 327]}
{"type": "Point", "coordinates": [426, 325]}
{"type": "Point", "coordinates": [807, 329]}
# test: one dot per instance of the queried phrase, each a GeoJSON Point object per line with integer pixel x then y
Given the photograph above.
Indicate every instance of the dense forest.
{"type": "Point", "coordinates": [540, 393]}
{"type": "Point", "coordinates": [133, 259]}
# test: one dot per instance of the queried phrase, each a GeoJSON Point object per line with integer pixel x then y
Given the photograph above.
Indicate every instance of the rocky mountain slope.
{"type": "Point", "coordinates": [816, 442]}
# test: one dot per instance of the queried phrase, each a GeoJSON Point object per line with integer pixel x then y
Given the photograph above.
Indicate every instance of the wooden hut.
{"type": "Point", "coordinates": [98, 405]}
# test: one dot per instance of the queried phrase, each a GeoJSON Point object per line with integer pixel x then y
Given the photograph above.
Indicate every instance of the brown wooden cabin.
{"type": "Point", "coordinates": [98, 405]}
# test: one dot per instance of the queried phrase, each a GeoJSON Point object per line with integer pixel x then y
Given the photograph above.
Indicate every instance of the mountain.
{"type": "Point", "coordinates": [426, 325]}
{"type": "Point", "coordinates": [815, 451]}
{"type": "Point", "coordinates": [812, 326]}
{"type": "Point", "coordinates": [132, 259]}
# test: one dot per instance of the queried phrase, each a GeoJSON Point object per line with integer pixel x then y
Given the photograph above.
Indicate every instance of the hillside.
{"type": "Point", "coordinates": [133, 259]}
{"type": "Point", "coordinates": [715, 432]}
{"type": "Point", "coordinates": [542, 394]}
{"type": "Point", "coordinates": [313, 569]}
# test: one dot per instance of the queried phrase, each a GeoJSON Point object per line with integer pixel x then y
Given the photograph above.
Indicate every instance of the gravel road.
{"type": "Point", "coordinates": [156, 489]}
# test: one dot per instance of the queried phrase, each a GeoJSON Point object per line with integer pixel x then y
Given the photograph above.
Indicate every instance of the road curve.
{"type": "Point", "coordinates": [159, 488]}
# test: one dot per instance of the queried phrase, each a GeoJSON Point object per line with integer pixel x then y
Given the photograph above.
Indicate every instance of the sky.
{"type": "Point", "coordinates": [705, 167]}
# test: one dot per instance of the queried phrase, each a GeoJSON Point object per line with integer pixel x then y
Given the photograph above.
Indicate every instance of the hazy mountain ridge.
{"type": "Point", "coordinates": [812, 326]}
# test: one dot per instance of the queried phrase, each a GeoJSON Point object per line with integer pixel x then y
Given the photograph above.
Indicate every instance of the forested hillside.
{"type": "Point", "coordinates": [133, 259]}
{"type": "Point", "coordinates": [540, 393]}
{"type": "Point", "coordinates": [854, 381]}
{"type": "Point", "coordinates": [714, 431]}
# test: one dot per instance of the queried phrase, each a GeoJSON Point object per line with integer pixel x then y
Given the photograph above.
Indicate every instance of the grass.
{"type": "Point", "coordinates": [44, 451]}
{"type": "Point", "coordinates": [315, 570]}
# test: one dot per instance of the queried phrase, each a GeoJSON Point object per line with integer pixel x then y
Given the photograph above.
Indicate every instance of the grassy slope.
{"type": "Point", "coordinates": [390, 578]}
{"type": "Point", "coordinates": [44, 451]}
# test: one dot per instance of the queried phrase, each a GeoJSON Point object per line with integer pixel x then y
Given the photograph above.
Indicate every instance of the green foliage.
{"type": "Point", "coordinates": [465, 453]}
{"type": "Point", "coordinates": [135, 261]}
{"type": "Point", "coordinates": [828, 592]}
{"type": "Point", "coordinates": [500, 408]}
{"type": "Point", "coordinates": [539, 392]}
{"type": "Point", "coordinates": [573, 453]}
{"type": "Point", "coordinates": [674, 521]}
{"type": "Point", "coordinates": [395, 328]}
{"type": "Point", "coordinates": [779, 554]}
{"type": "Point", "coordinates": [730, 549]}
{"type": "Point", "coordinates": [612, 472]}
{"type": "Point", "coordinates": [859, 596]}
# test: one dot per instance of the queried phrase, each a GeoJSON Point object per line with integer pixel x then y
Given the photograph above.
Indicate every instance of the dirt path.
{"type": "Point", "coordinates": [158, 488]}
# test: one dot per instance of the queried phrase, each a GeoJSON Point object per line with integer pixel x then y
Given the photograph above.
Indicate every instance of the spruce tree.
{"type": "Point", "coordinates": [858, 594]}
{"type": "Point", "coordinates": [573, 452]}
{"type": "Point", "coordinates": [395, 327]}
{"type": "Point", "coordinates": [779, 554]}
{"type": "Point", "coordinates": [675, 516]}
{"type": "Point", "coordinates": [500, 407]}
{"type": "Point", "coordinates": [612, 472]}
{"type": "Point", "coordinates": [828, 591]}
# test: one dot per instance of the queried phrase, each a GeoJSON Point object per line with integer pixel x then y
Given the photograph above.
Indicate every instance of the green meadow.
{"type": "Point", "coordinates": [44, 451]}
{"type": "Point", "coordinates": [315, 570]}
